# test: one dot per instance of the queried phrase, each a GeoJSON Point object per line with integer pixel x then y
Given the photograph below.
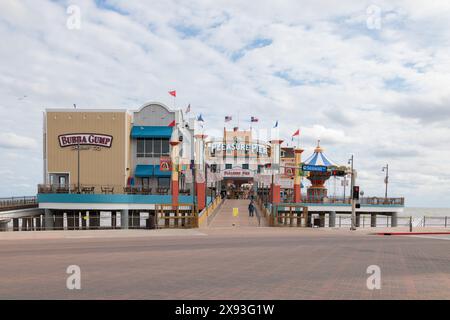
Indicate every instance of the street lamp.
{"type": "Point", "coordinates": [352, 183]}
{"type": "Point", "coordinates": [386, 180]}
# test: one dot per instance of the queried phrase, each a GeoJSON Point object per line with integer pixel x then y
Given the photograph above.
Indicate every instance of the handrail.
{"type": "Point", "coordinates": [13, 202]}
{"type": "Point", "coordinates": [102, 189]}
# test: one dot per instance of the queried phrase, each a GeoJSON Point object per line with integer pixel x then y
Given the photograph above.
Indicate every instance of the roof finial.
{"type": "Point", "coordinates": [318, 148]}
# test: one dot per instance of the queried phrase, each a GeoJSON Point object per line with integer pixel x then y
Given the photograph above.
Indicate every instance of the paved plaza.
{"type": "Point", "coordinates": [223, 263]}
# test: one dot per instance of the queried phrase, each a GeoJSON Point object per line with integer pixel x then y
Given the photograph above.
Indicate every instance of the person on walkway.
{"type": "Point", "coordinates": [251, 209]}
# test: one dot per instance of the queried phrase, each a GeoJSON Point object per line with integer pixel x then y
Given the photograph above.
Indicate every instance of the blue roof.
{"type": "Point", "coordinates": [150, 170]}
{"type": "Point", "coordinates": [318, 158]}
{"type": "Point", "coordinates": [151, 132]}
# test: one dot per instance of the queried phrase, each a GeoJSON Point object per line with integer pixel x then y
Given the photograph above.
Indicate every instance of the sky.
{"type": "Point", "coordinates": [368, 78]}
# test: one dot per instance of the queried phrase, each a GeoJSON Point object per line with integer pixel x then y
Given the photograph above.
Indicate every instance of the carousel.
{"type": "Point", "coordinates": [317, 191]}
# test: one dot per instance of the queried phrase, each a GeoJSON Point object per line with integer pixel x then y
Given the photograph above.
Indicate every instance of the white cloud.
{"type": "Point", "coordinates": [379, 94]}
{"type": "Point", "coordinates": [11, 140]}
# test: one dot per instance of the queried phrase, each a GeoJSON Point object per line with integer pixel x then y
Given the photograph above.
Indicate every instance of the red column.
{"type": "Point", "coordinates": [297, 193]}
{"type": "Point", "coordinates": [275, 193]}
{"type": "Point", "coordinates": [175, 192]}
{"type": "Point", "coordinates": [201, 189]}
{"type": "Point", "coordinates": [174, 177]}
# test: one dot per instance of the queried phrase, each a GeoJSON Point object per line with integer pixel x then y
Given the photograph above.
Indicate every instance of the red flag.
{"type": "Point", "coordinates": [296, 133]}
{"type": "Point", "coordinates": [172, 124]}
{"type": "Point", "coordinates": [173, 93]}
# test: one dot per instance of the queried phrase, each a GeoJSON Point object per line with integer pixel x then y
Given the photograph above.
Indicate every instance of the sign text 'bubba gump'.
{"type": "Point", "coordinates": [85, 139]}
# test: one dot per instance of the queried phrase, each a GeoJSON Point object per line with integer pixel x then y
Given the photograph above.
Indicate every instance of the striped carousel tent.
{"type": "Point", "coordinates": [318, 158]}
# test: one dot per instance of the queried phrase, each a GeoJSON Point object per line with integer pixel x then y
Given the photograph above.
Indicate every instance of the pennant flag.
{"type": "Point", "coordinates": [200, 118]}
{"type": "Point", "coordinates": [276, 124]}
{"type": "Point", "coordinates": [296, 133]}
{"type": "Point", "coordinates": [173, 93]}
{"type": "Point", "coordinates": [172, 124]}
{"type": "Point", "coordinates": [228, 118]}
{"type": "Point", "coordinates": [253, 119]}
{"type": "Point", "coordinates": [188, 109]}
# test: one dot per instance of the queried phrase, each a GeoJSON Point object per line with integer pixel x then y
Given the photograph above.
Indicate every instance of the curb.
{"type": "Point", "coordinates": [406, 233]}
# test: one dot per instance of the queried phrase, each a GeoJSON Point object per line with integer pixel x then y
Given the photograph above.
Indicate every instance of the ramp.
{"type": "Point", "coordinates": [225, 218]}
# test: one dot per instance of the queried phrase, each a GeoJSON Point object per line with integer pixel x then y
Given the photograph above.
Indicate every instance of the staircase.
{"type": "Point", "coordinates": [224, 217]}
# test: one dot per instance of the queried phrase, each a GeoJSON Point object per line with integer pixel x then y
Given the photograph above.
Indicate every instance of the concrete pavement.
{"type": "Point", "coordinates": [226, 263]}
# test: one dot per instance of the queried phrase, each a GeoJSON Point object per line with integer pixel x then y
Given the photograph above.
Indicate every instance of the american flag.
{"type": "Point", "coordinates": [254, 119]}
{"type": "Point", "coordinates": [228, 118]}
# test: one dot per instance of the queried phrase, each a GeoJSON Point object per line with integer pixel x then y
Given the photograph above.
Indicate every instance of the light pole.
{"type": "Point", "coordinates": [78, 167]}
{"type": "Point", "coordinates": [352, 183]}
{"type": "Point", "coordinates": [386, 180]}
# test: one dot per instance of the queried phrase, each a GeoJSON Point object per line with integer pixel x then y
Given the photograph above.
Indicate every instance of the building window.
{"type": "Point", "coordinates": [245, 166]}
{"type": "Point", "coordinates": [260, 167]}
{"type": "Point", "coordinates": [163, 182]}
{"type": "Point", "coordinates": [228, 166]}
{"type": "Point", "coordinates": [214, 168]}
{"type": "Point", "coordinates": [152, 147]}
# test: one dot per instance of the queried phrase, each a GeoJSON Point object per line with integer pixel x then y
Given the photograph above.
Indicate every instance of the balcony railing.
{"type": "Point", "coordinates": [17, 202]}
{"type": "Point", "coordinates": [288, 198]}
{"type": "Point", "coordinates": [105, 189]}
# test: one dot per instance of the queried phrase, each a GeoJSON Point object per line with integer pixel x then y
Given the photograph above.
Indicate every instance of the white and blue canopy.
{"type": "Point", "coordinates": [318, 158]}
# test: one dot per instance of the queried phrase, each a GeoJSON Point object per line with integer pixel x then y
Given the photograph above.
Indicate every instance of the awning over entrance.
{"type": "Point", "coordinates": [143, 171]}
{"type": "Point", "coordinates": [151, 132]}
{"type": "Point", "coordinates": [150, 170]}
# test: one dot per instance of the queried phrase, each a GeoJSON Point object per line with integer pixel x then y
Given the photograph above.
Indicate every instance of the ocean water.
{"type": "Point", "coordinates": [429, 212]}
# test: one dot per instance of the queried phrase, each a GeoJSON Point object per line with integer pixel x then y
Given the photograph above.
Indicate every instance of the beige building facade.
{"type": "Point", "coordinates": [103, 137]}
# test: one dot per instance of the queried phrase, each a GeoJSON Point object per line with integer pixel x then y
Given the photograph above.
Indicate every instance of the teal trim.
{"type": "Point", "coordinates": [151, 132]}
{"type": "Point", "coordinates": [150, 170]}
{"type": "Point", "coordinates": [110, 198]}
{"type": "Point", "coordinates": [143, 170]}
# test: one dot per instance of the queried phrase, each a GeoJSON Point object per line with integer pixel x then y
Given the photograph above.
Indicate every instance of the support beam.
{"type": "Point", "coordinates": [332, 219]}
{"type": "Point", "coordinates": [322, 219]}
{"type": "Point", "coordinates": [394, 219]}
{"type": "Point", "coordinates": [124, 219]}
{"type": "Point", "coordinates": [15, 224]}
{"type": "Point", "coordinates": [373, 220]}
{"type": "Point", "coordinates": [113, 219]}
{"type": "Point", "coordinates": [49, 222]}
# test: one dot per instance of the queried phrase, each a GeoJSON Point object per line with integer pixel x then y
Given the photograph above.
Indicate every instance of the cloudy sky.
{"type": "Point", "coordinates": [369, 78]}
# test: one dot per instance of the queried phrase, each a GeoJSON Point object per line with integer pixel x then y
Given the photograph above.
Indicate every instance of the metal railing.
{"type": "Point", "coordinates": [264, 194]}
{"type": "Point", "coordinates": [17, 202]}
{"type": "Point", "coordinates": [104, 189]}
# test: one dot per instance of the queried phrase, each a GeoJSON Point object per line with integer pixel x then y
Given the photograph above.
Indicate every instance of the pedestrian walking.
{"type": "Point", "coordinates": [251, 209]}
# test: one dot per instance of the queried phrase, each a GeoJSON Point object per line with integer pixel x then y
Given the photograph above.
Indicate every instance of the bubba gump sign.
{"type": "Point", "coordinates": [85, 139]}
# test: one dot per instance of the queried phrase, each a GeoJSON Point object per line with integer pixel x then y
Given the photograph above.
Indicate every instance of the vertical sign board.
{"type": "Point", "coordinates": [235, 212]}
{"type": "Point", "coordinates": [165, 164]}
